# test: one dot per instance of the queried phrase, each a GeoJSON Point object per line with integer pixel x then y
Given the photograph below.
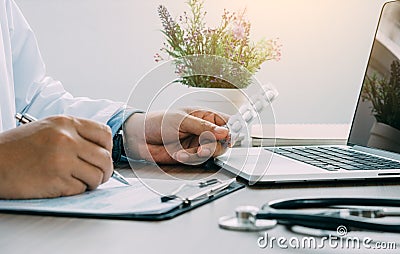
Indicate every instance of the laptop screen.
{"type": "Point", "coordinates": [376, 122]}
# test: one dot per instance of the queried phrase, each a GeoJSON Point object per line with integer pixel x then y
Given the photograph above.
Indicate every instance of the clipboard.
{"type": "Point", "coordinates": [99, 204]}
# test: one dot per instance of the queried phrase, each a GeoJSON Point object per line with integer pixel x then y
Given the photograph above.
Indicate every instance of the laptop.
{"type": "Point", "coordinates": [373, 148]}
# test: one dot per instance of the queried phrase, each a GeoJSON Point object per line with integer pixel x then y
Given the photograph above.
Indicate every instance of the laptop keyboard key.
{"type": "Point", "coordinates": [349, 167]}
{"type": "Point", "coordinates": [336, 158]}
{"type": "Point", "coordinates": [330, 167]}
{"type": "Point", "coordinates": [296, 157]}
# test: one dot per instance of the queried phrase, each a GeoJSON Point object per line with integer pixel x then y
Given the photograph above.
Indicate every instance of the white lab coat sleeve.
{"type": "Point", "coordinates": [38, 94]}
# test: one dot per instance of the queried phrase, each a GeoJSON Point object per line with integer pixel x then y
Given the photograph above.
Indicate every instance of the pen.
{"type": "Point", "coordinates": [26, 118]}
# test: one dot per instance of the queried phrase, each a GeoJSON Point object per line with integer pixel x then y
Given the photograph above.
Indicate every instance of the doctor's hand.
{"type": "Point", "coordinates": [189, 136]}
{"type": "Point", "coordinates": [57, 156]}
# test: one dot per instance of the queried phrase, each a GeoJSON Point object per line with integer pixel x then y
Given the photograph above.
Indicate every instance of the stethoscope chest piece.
{"type": "Point", "coordinates": [244, 220]}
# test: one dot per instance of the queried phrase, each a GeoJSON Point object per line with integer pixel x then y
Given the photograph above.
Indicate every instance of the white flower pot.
{"type": "Point", "coordinates": [385, 137]}
{"type": "Point", "coordinates": [220, 99]}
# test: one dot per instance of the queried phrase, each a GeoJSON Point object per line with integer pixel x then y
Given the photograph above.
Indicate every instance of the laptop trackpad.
{"type": "Point", "coordinates": [256, 162]}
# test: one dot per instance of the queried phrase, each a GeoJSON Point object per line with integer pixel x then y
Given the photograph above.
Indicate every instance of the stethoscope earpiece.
{"type": "Point", "coordinates": [244, 220]}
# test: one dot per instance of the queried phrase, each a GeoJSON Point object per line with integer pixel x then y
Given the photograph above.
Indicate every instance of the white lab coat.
{"type": "Point", "coordinates": [24, 86]}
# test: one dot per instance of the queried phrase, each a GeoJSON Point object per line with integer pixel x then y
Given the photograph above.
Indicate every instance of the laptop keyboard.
{"type": "Point", "coordinates": [335, 158]}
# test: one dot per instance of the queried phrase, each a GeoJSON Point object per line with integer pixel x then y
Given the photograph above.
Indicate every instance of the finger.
{"type": "Point", "coordinates": [217, 118]}
{"type": "Point", "coordinates": [195, 125]}
{"type": "Point", "coordinates": [73, 186]}
{"type": "Point", "coordinates": [195, 155]}
{"type": "Point", "coordinates": [213, 149]}
{"type": "Point", "coordinates": [207, 143]}
{"type": "Point", "coordinates": [189, 156]}
{"type": "Point", "coordinates": [207, 150]}
{"type": "Point", "coordinates": [90, 175]}
{"type": "Point", "coordinates": [96, 156]}
{"type": "Point", "coordinates": [95, 132]}
{"type": "Point", "coordinates": [213, 118]}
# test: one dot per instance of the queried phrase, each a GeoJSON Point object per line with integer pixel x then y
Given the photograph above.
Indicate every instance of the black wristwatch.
{"type": "Point", "coordinates": [118, 146]}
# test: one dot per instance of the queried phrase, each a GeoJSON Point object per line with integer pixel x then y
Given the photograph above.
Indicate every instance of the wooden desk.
{"type": "Point", "coordinates": [194, 232]}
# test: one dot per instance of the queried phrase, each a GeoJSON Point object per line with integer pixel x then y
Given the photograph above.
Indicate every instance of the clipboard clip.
{"type": "Point", "coordinates": [204, 194]}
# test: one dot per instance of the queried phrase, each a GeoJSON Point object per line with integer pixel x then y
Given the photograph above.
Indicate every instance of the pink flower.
{"type": "Point", "coordinates": [238, 31]}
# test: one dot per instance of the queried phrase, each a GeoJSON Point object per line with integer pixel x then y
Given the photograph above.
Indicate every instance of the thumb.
{"type": "Point", "coordinates": [195, 125]}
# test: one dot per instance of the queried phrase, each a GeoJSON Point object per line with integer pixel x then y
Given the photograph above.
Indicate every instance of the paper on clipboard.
{"type": "Point", "coordinates": [116, 200]}
{"type": "Point", "coordinates": [110, 198]}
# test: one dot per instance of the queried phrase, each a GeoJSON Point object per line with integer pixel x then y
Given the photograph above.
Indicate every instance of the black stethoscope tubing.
{"type": "Point", "coordinates": [281, 210]}
{"type": "Point", "coordinates": [328, 202]}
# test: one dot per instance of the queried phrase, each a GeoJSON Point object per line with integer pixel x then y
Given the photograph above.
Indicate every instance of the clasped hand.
{"type": "Point", "coordinates": [189, 136]}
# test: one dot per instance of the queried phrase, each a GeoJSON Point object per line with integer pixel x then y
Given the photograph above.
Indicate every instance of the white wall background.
{"type": "Point", "coordinates": [100, 48]}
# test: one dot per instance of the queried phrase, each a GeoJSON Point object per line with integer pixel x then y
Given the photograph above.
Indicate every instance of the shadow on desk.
{"type": "Point", "coordinates": [185, 172]}
{"type": "Point", "coordinates": [167, 172]}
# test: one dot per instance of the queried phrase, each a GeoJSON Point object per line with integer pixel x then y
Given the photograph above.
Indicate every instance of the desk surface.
{"type": "Point", "coordinates": [193, 232]}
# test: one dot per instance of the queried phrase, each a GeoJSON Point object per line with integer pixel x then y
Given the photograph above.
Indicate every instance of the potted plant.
{"type": "Point", "coordinates": [225, 57]}
{"type": "Point", "coordinates": [384, 94]}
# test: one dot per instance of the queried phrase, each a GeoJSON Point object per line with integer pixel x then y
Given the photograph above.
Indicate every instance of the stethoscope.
{"type": "Point", "coordinates": [333, 213]}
